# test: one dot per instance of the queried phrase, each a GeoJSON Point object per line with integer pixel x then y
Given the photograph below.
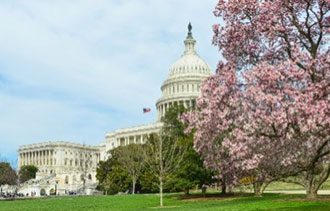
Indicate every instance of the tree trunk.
{"type": "Point", "coordinates": [311, 185]}
{"type": "Point", "coordinates": [223, 187]}
{"type": "Point", "coordinates": [313, 181]}
{"type": "Point", "coordinates": [161, 191]}
{"type": "Point", "coordinates": [311, 192]}
{"type": "Point", "coordinates": [257, 189]}
{"type": "Point", "coordinates": [186, 191]}
{"type": "Point", "coordinates": [204, 190]}
{"type": "Point", "coordinates": [134, 182]}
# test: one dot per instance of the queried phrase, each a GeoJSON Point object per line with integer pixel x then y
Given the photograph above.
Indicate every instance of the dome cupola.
{"type": "Point", "coordinates": [189, 63]}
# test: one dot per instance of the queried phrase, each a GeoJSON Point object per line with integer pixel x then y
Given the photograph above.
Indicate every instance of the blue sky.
{"type": "Point", "coordinates": [72, 70]}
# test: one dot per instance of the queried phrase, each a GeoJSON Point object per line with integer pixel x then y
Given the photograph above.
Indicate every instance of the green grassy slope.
{"type": "Point", "coordinates": [174, 202]}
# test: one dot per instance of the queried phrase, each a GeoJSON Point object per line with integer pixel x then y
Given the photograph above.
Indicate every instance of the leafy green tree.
{"type": "Point", "coordinates": [192, 171]}
{"type": "Point", "coordinates": [111, 175]}
{"type": "Point", "coordinates": [148, 181]}
{"type": "Point", "coordinates": [27, 172]}
{"type": "Point", "coordinates": [131, 160]}
{"type": "Point", "coordinates": [7, 174]}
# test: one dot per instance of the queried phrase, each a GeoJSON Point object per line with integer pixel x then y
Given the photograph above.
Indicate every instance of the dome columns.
{"type": "Point", "coordinates": [163, 107]}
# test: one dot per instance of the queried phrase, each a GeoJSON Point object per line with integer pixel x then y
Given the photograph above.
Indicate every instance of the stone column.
{"type": "Point", "coordinates": [134, 139]}
{"type": "Point", "coordinates": [162, 110]}
{"type": "Point", "coordinates": [50, 158]}
{"type": "Point", "coordinates": [19, 160]}
{"type": "Point", "coordinates": [42, 156]}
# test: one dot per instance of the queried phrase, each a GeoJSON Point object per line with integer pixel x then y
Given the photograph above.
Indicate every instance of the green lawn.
{"type": "Point", "coordinates": [174, 202]}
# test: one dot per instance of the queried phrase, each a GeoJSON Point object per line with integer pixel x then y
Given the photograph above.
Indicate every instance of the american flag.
{"type": "Point", "coordinates": [146, 110]}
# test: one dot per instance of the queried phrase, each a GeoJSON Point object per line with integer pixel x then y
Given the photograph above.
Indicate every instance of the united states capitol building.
{"type": "Point", "coordinates": [65, 166]}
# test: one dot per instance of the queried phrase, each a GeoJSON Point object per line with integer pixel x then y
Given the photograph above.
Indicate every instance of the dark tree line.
{"type": "Point", "coordinates": [9, 176]}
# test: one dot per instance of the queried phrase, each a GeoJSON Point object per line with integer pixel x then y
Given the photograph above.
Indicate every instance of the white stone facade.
{"type": "Point", "coordinates": [136, 135]}
{"type": "Point", "coordinates": [70, 166]}
{"type": "Point", "coordinates": [67, 161]}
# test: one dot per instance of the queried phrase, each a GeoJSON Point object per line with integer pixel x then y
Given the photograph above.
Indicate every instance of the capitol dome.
{"type": "Point", "coordinates": [182, 85]}
{"type": "Point", "coordinates": [187, 65]}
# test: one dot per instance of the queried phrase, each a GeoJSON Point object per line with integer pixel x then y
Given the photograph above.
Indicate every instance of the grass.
{"type": "Point", "coordinates": [235, 202]}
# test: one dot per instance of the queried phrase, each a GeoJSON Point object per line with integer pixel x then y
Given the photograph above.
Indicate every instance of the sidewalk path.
{"type": "Point", "coordinates": [320, 192]}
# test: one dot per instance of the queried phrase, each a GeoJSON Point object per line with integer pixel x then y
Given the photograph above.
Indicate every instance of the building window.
{"type": "Point", "coordinates": [66, 179]}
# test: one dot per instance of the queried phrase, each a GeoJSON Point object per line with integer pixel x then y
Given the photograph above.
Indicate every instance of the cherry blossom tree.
{"type": "Point", "coordinates": [265, 114]}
